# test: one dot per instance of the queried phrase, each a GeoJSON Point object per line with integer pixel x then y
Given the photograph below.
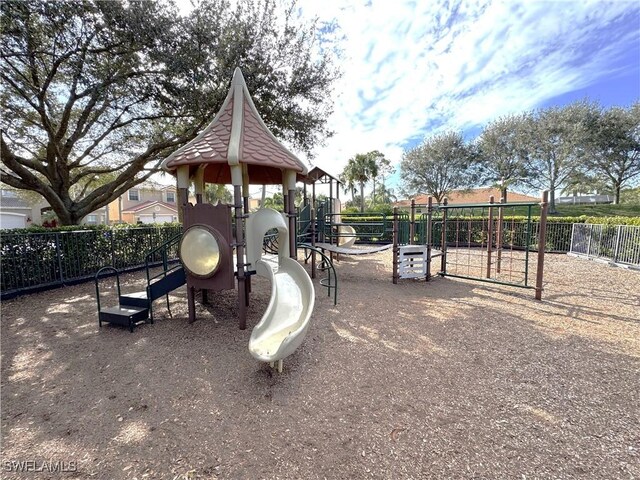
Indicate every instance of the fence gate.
{"type": "Point", "coordinates": [489, 243]}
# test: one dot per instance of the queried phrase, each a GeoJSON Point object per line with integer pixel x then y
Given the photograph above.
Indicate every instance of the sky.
{"type": "Point", "coordinates": [414, 68]}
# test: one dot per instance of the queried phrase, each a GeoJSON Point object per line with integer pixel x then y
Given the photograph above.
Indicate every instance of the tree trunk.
{"type": "Point", "coordinates": [616, 198]}
{"type": "Point", "coordinates": [503, 193]}
{"type": "Point", "coordinates": [373, 195]}
{"type": "Point", "coordinates": [361, 197]}
{"type": "Point", "coordinates": [552, 201]}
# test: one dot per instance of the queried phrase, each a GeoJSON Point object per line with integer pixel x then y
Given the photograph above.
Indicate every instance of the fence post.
{"type": "Point", "coordinates": [542, 236]}
{"type": "Point", "coordinates": [395, 245]}
{"type": "Point", "coordinates": [616, 252]}
{"type": "Point", "coordinates": [428, 234]}
{"type": "Point", "coordinates": [412, 224]}
{"type": "Point", "coordinates": [490, 237]}
{"type": "Point", "coordinates": [59, 255]}
{"type": "Point", "coordinates": [499, 235]}
{"type": "Point", "coordinates": [443, 239]}
{"type": "Point", "coordinates": [113, 250]}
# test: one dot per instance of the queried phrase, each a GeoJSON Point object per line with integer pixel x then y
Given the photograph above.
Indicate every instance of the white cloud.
{"type": "Point", "coordinates": [409, 65]}
{"type": "Point", "coordinates": [413, 67]}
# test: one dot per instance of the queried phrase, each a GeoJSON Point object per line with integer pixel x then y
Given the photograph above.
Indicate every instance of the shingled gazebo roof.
{"type": "Point", "coordinates": [237, 134]}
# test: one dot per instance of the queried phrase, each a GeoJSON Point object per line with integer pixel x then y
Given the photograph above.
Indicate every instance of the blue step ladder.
{"type": "Point", "coordinates": [136, 307]}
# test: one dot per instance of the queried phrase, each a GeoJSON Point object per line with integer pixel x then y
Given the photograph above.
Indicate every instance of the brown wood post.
{"type": "Point", "coordinates": [291, 211]}
{"type": "Point", "coordinates": [427, 233]}
{"type": "Point", "coordinates": [542, 240]}
{"type": "Point", "coordinates": [412, 223]}
{"type": "Point", "coordinates": [396, 247]}
{"type": "Point", "coordinates": [499, 234]}
{"type": "Point", "coordinates": [191, 302]}
{"type": "Point", "coordinates": [183, 199]}
{"type": "Point", "coordinates": [240, 245]}
{"type": "Point", "coordinates": [489, 237]}
{"type": "Point", "coordinates": [443, 239]}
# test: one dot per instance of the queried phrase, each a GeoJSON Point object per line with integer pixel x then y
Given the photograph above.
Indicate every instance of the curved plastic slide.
{"type": "Point", "coordinates": [346, 236]}
{"type": "Point", "coordinates": [286, 319]}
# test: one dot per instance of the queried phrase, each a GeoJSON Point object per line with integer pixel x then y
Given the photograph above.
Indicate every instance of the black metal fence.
{"type": "Point", "coordinates": [36, 261]}
{"type": "Point", "coordinates": [558, 236]}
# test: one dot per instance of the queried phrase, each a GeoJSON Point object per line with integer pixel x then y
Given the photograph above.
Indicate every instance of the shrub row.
{"type": "Point", "coordinates": [31, 258]}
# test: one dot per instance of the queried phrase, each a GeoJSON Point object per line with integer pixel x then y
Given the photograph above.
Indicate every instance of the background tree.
{"type": "Point", "coordinates": [502, 152]}
{"type": "Point", "coordinates": [442, 163]}
{"type": "Point", "coordinates": [383, 194]}
{"type": "Point", "coordinates": [614, 147]}
{"type": "Point", "coordinates": [583, 182]}
{"type": "Point", "coordinates": [556, 145]}
{"type": "Point", "coordinates": [347, 179]}
{"type": "Point", "coordinates": [385, 169]}
{"type": "Point", "coordinates": [359, 170]}
{"type": "Point", "coordinates": [276, 201]}
{"type": "Point", "coordinates": [94, 88]}
{"type": "Point", "coordinates": [630, 196]}
{"type": "Point", "coordinates": [377, 161]}
{"type": "Point", "coordinates": [217, 193]}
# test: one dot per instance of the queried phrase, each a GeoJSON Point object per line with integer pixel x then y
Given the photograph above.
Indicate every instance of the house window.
{"type": "Point", "coordinates": [134, 194]}
{"type": "Point", "coordinates": [92, 219]}
{"type": "Point", "coordinates": [171, 197]}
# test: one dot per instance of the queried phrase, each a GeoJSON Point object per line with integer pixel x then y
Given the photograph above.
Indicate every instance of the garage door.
{"type": "Point", "coordinates": [12, 220]}
{"type": "Point", "coordinates": [158, 219]}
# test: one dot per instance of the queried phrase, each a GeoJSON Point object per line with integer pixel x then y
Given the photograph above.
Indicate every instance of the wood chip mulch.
{"type": "Point", "coordinates": [445, 379]}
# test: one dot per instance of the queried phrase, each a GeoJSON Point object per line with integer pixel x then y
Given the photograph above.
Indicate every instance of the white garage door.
{"type": "Point", "coordinates": [158, 219]}
{"type": "Point", "coordinates": [12, 220]}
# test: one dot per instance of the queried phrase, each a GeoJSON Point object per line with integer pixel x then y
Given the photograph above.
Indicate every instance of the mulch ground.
{"type": "Point", "coordinates": [446, 379]}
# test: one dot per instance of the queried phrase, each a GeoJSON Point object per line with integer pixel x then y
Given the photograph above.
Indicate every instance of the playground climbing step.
{"type": "Point", "coordinates": [124, 315]}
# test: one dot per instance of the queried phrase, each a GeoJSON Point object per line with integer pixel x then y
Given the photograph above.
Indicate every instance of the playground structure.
{"type": "Point", "coordinates": [481, 242]}
{"type": "Point", "coordinates": [235, 148]}
{"type": "Point", "coordinates": [223, 246]}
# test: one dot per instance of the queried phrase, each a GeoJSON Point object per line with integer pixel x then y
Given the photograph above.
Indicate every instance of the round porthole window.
{"type": "Point", "coordinates": [200, 251]}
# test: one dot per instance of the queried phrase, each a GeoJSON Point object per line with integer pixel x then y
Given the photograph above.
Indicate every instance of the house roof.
{"type": "Point", "coordinates": [475, 195]}
{"type": "Point", "coordinates": [237, 135]}
{"type": "Point", "coordinates": [148, 204]}
{"type": "Point", "coordinates": [151, 185]}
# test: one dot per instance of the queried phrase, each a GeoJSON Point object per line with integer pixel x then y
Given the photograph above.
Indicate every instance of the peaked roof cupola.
{"type": "Point", "coordinates": [237, 135]}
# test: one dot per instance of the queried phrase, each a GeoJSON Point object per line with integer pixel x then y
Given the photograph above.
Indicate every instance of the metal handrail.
{"type": "Point", "coordinates": [165, 269]}
{"type": "Point", "coordinates": [165, 262]}
{"type": "Point", "coordinates": [97, 278]}
{"type": "Point", "coordinates": [328, 265]}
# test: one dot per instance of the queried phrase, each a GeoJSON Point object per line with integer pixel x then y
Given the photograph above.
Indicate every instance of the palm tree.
{"type": "Point", "coordinates": [361, 169]}
{"type": "Point", "coordinates": [348, 182]}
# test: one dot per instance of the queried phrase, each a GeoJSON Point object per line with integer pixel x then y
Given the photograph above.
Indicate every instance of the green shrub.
{"type": "Point", "coordinates": [40, 256]}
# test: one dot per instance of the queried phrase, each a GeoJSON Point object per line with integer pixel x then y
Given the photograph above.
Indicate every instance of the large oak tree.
{"type": "Point", "coordinates": [613, 148]}
{"type": "Point", "coordinates": [502, 152]}
{"type": "Point", "coordinates": [441, 164]}
{"type": "Point", "coordinates": [96, 93]}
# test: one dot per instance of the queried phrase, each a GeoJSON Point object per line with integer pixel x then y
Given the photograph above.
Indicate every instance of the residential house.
{"type": "Point", "coordinates": [148, 202]}
{"type": "Point", "coordinates": [19, 212]}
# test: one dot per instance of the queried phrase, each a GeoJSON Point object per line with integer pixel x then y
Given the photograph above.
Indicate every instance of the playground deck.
{"type": "Point", "coordinates": [450, 379]}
